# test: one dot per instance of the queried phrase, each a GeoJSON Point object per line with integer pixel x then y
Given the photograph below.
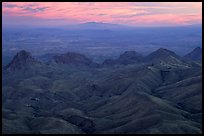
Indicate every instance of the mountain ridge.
{"type": "Point", "coordinates": [76, 59]}
{"type": "Point", "coordinates": [137, 98]}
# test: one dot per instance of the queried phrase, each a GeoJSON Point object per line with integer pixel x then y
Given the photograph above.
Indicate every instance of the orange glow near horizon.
{"type": "Point", "coordinates": [127, 13]}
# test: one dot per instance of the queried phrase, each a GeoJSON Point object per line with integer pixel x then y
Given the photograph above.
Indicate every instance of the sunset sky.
{"type": "Point", "coordinates": [127, 13]}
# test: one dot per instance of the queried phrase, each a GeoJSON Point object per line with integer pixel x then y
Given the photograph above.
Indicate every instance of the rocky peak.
{"type": "Point", "coordinates": [161, 53]}
{"type": "Point", "coordinates": [20, 60]}
{"type": "Point", "coordinates": [198, 49]}
{"type": "Point", "coordinates": [196, 54]}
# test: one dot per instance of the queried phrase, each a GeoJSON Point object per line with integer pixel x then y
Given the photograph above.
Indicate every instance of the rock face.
{"type": "Point", "coordinates": [20, 60]}
{"type": "Point", "coordinates": [195, 55]}
{"type": "Point", "coordinates": [75, 59]}
{"type": "Point", "coordinates": [128, 57]}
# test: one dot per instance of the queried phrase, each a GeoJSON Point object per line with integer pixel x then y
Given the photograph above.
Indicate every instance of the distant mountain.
{"type": "Point", "coordinates": [98, 25]}
{"type": "Point", "coordinates": [75, 59]}
{"type": "Point", "coordinates": [21, 60]}
{"type": "Point", "coordinates": [195, 55]}
{"type": "Point", "coordinates": [128, 57]}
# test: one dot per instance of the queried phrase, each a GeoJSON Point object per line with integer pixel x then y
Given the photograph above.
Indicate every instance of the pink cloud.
{"type": "Point", "coordinates": [138, 13]}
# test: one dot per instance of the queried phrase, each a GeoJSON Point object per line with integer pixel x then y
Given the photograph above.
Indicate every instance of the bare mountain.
{"type": "Point", "coordinates": [195, 55]}
{"type": "Point", "coordinates": [161, 53]}
{"type": "Point", "coordinates": [21, 60]}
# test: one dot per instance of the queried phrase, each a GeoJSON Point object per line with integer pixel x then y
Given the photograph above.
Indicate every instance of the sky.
{"type": "Point", "coordinates": [126, 13]}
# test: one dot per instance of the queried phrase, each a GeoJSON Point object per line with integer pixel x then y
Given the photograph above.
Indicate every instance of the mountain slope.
{"type": "Point", "coordinates": [137, 98]}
